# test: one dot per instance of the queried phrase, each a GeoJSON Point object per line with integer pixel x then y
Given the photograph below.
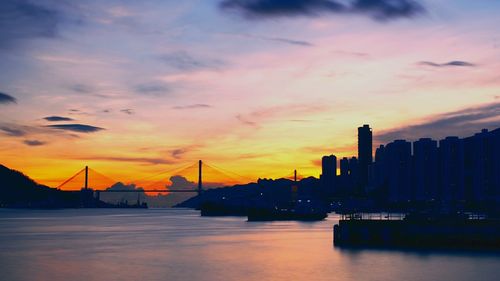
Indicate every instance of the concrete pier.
{"type": "Point", "coordinates": [449, 233]}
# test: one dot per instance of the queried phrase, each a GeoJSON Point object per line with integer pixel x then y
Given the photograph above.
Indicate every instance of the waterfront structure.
{"type": "Point", "coordinates": [455, 232]}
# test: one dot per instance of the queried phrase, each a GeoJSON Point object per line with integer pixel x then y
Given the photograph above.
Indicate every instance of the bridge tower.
{"type": "Point", "coordinates": [200, 185]}
{"type": "Point", "coordinates": [87, 194]}
{"type": "Point", "coordinates": [295, 187]}
{"type": "Point", "coordinates": [86, 186]}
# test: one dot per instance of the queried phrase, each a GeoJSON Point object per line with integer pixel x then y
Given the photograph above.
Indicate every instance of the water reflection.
{"type": "Point", "coordinates": [180, 245]}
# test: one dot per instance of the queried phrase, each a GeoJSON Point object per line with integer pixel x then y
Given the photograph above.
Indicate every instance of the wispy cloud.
{"type": "Point", "coordinates": [21, 20]}
{"type": "Point", "coordinates": [245, 121]}
{"type": "Point", "coordinates": [152, 88]}
{"type": "Point", "coordinates": [254, 118]}
{"type": "Point", "coordinates": [461, 122]}
{"type": "Point", "coordinates": [456, 63]}
{"type": "Point", "coordinates": [78, 128]}
{"type": "Point", "coordinates": [81, 88]}
{"type": "Point", "coordinates": [381, 10]}
{"type": "Point", "coordinates": [178, 153]}
{"type": "Point", "coordinates": [19, 130]}
{"type": "Point", "coordinates": [57, 118]}
{"type": "Point", "coordinates": [89, 90]}
{"type": "Point", "coordinates": [384, 10]}
{"type": "Point", "coordinates": [281, 40]}
{"type": "Point", "coordinates": [128, 111]}
{"type": "Point", "coordinates": [146, 160]}
{"type": "Point", "coordinates": [34, 142]}
{"type": "Point", "coordinates": [352, 54]}
{"type": "Point", "coordinates": [289, 41]}
{"type": "Point", "coordinates": [77, 112]}
{"type": "Point", "coordinates": [33, 132]}
{"type": "Point", "coordinates": [5, 99]}
{"type": "Point", "coordinates": [12, 131]}
{"type": "Point", "coordinates": [295, 42]}
{"type": "Point", "coordinates": [300, 120]}
{"type": "Point", "coordinates": [278, 8]}
{"type": "Point", "coordinates": [330, 150]}
{"type": "Point", "coordinates": [186, 62]}
{"type": "Point", "coordinates": [192, 106]}
{"type": "Point", "coordinates": [317, 162]}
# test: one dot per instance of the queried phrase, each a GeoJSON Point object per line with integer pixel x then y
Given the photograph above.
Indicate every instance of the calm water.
{"type": "Point", "coordinates": [179, 245]}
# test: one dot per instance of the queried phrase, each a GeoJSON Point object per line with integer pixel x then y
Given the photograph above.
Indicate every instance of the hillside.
{"type": "Point", "coordinates": [19, 191]}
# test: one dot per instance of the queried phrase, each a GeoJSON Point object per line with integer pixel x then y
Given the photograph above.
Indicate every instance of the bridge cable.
{"type": "Point", "coordinates": [68, 180]}
{"type": "Point", "coordinates": [164, 172]}
{"type": "Point", "coordinates": [227, 171]}
{"type": "Point", "coordinates": [177, 171]}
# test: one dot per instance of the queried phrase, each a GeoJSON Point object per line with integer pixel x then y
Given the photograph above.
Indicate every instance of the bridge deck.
{"type": "Point", "coordinates": [148, 190]}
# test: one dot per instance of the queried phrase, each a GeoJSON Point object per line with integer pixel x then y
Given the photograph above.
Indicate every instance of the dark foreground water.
{"type": "Point", "coordinates": [172, 244]}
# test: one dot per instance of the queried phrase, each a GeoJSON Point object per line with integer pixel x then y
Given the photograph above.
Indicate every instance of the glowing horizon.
{"type": "Point", "coordinates": [134, 89]}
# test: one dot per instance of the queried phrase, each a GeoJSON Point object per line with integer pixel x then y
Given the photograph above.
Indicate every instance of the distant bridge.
{"type": "Point", "coordinates": [153, 188]}
{"type": "Point", "coordinates": [85, 170]}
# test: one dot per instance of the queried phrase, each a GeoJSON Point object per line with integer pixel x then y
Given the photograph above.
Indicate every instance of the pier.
{"type": "Point", "coordinates": [445, 231]}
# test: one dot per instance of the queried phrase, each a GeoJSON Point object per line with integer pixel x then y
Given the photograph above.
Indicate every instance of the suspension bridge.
{"type": "Point", "coordinates": [91, 182]}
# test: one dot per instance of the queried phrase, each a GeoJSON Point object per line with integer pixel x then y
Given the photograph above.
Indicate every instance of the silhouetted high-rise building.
{"type": "Point", "coordinates": [479, 167]}
{"type": "Point", "coordinates": [353, 168]}
{"type": "Point", "coordinates": [344, 167]}
{"type": "Point", "coordinates": [329, 173]}
{"type": "Point", "coordinates": [352, 182]}
{"type": "Point", "coordinates": [344, 180]}
{"type": "Point", "coordinates": [379, 153]}
{"type": "Point", "coordinates": [365, 153]}
{"type": "Point", "coordinates": [398, 169]}
{"type": "Point", "coordinates": [451, 170]}
{"type": "Point", "coordinates": [495, 163]}
{"type": "Point", "coordinates": [425, 169]}
{"type": "Point", "coordinates": [378, 176]}
{"type": "Point", "coordinates": [457, 172]}
{"type": "Point", "coordinates": [329, 166]}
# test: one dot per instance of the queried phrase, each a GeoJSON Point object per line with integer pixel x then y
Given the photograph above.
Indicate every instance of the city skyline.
{"type": "Point", "coordinates": [452, 171]}
{"type": "Point", "coordinates": [135, 88]}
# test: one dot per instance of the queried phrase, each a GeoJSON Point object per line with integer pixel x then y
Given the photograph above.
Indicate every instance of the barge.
{"type": "Point", "coordinates": [299, 210]}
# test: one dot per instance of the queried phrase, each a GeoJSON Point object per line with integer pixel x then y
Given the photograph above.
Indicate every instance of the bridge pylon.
{"type": "Point", "coordinates": [86, 186]}
{"type": "Point", "coordinates": [200, 184]}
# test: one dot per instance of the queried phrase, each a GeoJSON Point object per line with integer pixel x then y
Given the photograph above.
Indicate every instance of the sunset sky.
{"type": "Point", "coordinates": [257, 87]}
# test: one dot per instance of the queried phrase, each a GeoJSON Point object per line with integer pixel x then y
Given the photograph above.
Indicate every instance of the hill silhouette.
{"type": "Point", "coordinates": [19, 191]}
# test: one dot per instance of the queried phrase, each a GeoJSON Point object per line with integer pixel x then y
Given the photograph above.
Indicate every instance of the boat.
{"type": "Point", "coordinates": [299, 210]}
{"type": "Point", "coordinates": [217, 209]}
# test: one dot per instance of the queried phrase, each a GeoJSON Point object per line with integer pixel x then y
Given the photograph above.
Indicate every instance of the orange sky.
{"type": "Point", "coordinates": [160, 86]}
